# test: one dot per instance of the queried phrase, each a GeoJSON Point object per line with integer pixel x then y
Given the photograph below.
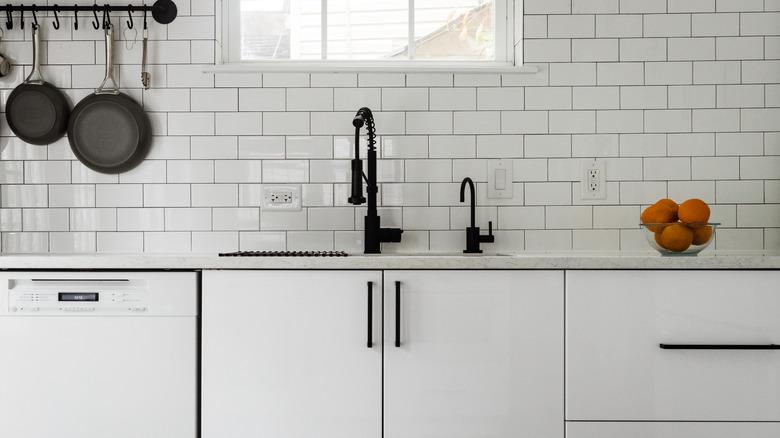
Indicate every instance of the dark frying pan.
{"type": "Point", "coordinates": [108, 131]}
{"type": "Point", "coordinates": [36, 111]}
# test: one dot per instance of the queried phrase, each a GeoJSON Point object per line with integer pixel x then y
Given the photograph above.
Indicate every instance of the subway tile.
{"type": "Point", "coordinates": [547, 6]}
{"type": "Point", "coordinates": [235, 123]}
{"type": "Point", "coordinates": [350, 99]}
{"type": "Point", "coordinates": [618, 26]}
{"type": "Point", "coordinates": [716, 72]}
{"type": "Point", "coordinates": [214, 242]}
{"type": "Point", "coordinates": [283, 220]}
{"type": "Point", "coordinates": [118, 195]}
{"type": "Point", "coordinates": [187, 219]}
{"type": "Point", "coordinates": [593, 50]}
{"type": "Point", "coordinates": [140, 219]}
{"type": "Point", "coordinates": [571, 26]}
{"type": "Point", "coordinates": [237, 171]}
{"type": "Point", "coordinates": [334, 79]}
{"type": "Point", "coordinates": [404, 99]}
{"type": "Point", "coordinates": [453, 146]}
{"type": "Point", "coordinates": [645, 192]}
{"type": "Point", "coordinates": [667, 25]}
{"type": "Point", "coordinates": [624, 73]}
{"type": "Point", "coordinates": [750, 216]}
{"type": "Point", "coordinates": [548, 240]}
{"type": "Point", "coordinates": [719, 120]}
{"type": "Point", "coordinates": [500, 98]}
{"type": "Point", "coordinates": [595, 6]}
{"type": "Point", "coordinates": [162, 242]}
{"type": "Point", "coordinates": [46, 172]}
{"type": "Point", "coordinates": [550, 193]}
{"type": "Point", "coordinates": [432, 122]}
{"type": "Point", "coordinates": [261, 99]}
{"type": "Point", "coordinates": [715, 168]}
{"type": "Point", "coordinates": [216, 99]}
{"type": "Point", "coordinates": [643, 145]}
{"type": "Point", "coordinates": [643, 97]}
{"type": "Point", "coordinates": [547, 50]}
{"type": "Point", "coordinates": [739, 143]}
{"type": "Point", "coordinates": [235, 219]}
{"type": "Point", "coordinates": [75, 195]}
{"type": "Point", "coordinates": [548, 98]}
{"type": "Point", "coordinates": [72, 242]}
{"type": "Point", "coordinates": [583, 73]}
{"type": "Point", "coordinates": [331, 218]}
{"type": "Point", "coordinates": [715, 24]}
{"type": "Point", "coordinates": [166, 195]}
{"type": "Point", "coordinates": [287, 171]}
{"type": "Point", "coordinates": [190, 171]}
{"type": "Point", "coordinates": [692, 49]}
{"type": "Point", "coordinates": [665, 169]}
{"type": "Point", "coordinates": [759, 167]}
{"type": "Point", "coordinates": [596, 240]}
{"type": "Point", "coordinates": [309, 99]}
{"type": "Point", "coordinates": [643, 6]}
{"type": "Point", "coordinates": [463, 99]}
{"type": "Point", "coordinates": [668, 121]}
{"type": "Point", "coordinates": [572, 122]}
{"type": "Point", "coordinates": [668, 73]}
{"type": "Point", "coordinates": [310, 240]}
{"type": "Point", "coordinates": [596, 97]}
{"type": "Point", "coordinates": [211, 147]}
{"type": "Point", "coordinates": [214, 195]}
{"type": "Point", "coordinates": [264, 240]}
{"type": "Point", "coordinates": [643, 49]}
{"type": "Point", "coordinates": [476, 122]}
{"type": "Point", "coordinates": [691, 144]}
{"type": "Point", "coordinates": [524, 122]}
{"type": "Point", "coordinates": [740, 192]}
{"type": "Point", "coordinates": [120, 243]}
{"type": "Point", "coordinates": [691, 6]}
{"type": "Point", "coordinates": [619, 121]}
{"type": "Point", "coordinates": [739, 48]}
{"type": "Point", "coordinates": [692, 96]}
{"type": "Point", "coordinates": [682, 190]}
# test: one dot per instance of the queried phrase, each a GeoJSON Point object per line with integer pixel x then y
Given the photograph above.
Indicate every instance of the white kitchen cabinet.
{"type": "Point", "coordinates": [671, 430]}
{"type": "Point", "coordinates": [616, 369]}
{"type": "Point", "coordinates": [480, 354]}
{"type": "Point", "coordinates": [286, 355]}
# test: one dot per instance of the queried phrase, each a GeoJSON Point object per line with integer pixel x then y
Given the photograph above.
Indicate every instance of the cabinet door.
{"type": "Point", "coordinates": [672, 346]}
{"type": "Point", "coordinates": [285, 354]}
{"type": "Point", "coordinates": [480, 355]}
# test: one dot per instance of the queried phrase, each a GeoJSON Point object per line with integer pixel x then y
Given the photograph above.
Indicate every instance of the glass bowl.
{"type": "Point", "coordinates": [653, 235]}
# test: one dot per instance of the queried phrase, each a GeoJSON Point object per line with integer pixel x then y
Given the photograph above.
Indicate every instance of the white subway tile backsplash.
{"type": "Point", "coordinates": [681, 98]}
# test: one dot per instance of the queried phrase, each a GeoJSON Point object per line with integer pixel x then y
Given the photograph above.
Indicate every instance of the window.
{"type": "Point", "coordinates": [369, 32]}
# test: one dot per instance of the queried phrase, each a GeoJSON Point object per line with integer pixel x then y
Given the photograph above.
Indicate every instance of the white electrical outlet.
{"type": "Point", "coordinates": [594, 180]}
{"type": "Point", "coordinates": [282, 197]}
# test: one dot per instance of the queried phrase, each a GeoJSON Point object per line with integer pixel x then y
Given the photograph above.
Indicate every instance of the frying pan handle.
{"type": "Point", "coordinates": [35, 76]}
{"type": "Point", "coordinates": [109, 85]}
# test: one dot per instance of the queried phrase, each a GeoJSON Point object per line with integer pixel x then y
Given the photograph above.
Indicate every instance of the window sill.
{"type": "Point", "coordinates": [377, 67]}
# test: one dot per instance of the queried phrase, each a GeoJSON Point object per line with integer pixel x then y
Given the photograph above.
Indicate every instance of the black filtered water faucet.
{"type": "Point", "coordinates": [374, 233]}
{"type": "Point", "coordinates": [473, 238]}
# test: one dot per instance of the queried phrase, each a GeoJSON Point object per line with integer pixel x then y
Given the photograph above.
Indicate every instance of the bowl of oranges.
{"type": "Point", "coordinates": [678, 229]}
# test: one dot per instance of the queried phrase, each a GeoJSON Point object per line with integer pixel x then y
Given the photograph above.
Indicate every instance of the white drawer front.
{"type": "Point", "coordinates": [615, 369]}
{"type": "Point", "coordinates": [672, 430]}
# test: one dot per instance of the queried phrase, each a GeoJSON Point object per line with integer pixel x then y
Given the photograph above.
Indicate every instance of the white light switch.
{"type": "Point", "coordinates": [500, 176]}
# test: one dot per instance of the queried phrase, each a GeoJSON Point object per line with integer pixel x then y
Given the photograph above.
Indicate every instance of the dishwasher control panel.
{"type": "Point", "coordinates": [74, 301]}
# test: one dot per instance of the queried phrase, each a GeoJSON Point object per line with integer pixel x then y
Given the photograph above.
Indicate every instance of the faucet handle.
{"type": "Point", "coordinates": [488, 238]}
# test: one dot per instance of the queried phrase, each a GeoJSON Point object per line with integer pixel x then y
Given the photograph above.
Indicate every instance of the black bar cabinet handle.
{"type": "Point", "coordinates": [719, 346]}
{"type": "Point", "coordinates": [370, 319]}
{"type": "Point", "coordinates": [397, 313]}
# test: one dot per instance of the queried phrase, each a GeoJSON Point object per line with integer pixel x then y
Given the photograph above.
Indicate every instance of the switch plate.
{"type": "Point", "coordinates": [500, 177]}
{"type": "Point", "coordinates": [594, 180]}
{"type": "Point", "coordinates": [282, 197]}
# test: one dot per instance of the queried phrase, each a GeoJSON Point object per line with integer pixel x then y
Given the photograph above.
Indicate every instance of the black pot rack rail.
{"type": "Point", "coordinates": [163, 12]}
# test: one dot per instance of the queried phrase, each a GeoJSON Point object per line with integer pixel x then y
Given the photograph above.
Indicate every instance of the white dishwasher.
{"type": "Point", "coordinates": [98, 354]}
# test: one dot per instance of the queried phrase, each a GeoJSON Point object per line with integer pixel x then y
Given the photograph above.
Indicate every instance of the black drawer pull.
{"type": "Point", "coordinates": [370, 318]}
{"type": "Point", "coordinates": [397, 313]}
{"type": "Point", "coordinates": [719, 346]}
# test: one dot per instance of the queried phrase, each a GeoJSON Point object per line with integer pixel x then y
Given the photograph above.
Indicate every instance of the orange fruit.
{"type": "Point", "coordinates": [702, 235]}
{"type": "Point", "coordinates": [657, 214]}
{"type": "Point", "coordinates": [658, 235]}
{"type": "Point", "coordinates": [694, 212]}
{"type": "Point", "coordinates": [677, 237]}
{"type": "Point", "coordinates": [669, 203]}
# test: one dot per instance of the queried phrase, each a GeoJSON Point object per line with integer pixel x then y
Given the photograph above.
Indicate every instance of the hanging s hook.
{"type": "Point", "coordinates": [35, 17]}
{"type": "Point", "coordinates": [21, 19]}
{"type": "Point", "coordinates": [9, 19]}
{"type": "Point", "coordinates": [95, 23]}
{"type": "Point", "coordinates": [76, 18]}
{"type": "Point", "coordinates": [145, 17]}
{"type": "Point", "coordinates": [56, 22]}
{"type": "Point", "coordinates": [106, 17]}
{"type": "Point", "coordinates": [130, 15]}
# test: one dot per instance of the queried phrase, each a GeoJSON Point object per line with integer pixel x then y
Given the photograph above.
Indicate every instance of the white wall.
{"type": "Point", "coordinates": [680, 98]}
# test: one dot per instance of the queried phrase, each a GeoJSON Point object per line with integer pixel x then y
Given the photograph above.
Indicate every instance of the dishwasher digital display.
{"type": "Point", "coordinates": [79, 296]}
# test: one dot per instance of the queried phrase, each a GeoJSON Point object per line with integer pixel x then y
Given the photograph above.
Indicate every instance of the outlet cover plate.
{"type": "Point", "coordinates": [285, 197]}
{"type": "Point", "coordinates": [593, 181]}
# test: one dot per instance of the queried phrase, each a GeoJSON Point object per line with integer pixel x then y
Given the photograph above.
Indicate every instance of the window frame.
{"type": "Point", "coordinates": [508, 49]}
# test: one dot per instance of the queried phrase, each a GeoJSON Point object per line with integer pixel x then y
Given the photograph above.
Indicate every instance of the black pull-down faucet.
{"type": "Point", "coordinates": [473, 238]}
{"type": "Point", "coordinates": [374, 233]}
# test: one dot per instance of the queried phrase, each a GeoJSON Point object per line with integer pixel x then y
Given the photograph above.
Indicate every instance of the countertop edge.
{"type": "Point", "coordinates": [389, 262]}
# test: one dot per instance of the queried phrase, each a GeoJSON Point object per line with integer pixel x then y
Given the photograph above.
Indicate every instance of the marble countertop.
{"type": "Point", "coordinates": [563, 260]}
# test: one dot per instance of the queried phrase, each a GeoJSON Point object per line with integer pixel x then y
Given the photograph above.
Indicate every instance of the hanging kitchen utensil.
{"type": "Point", "coordinates": [5, 64]}
{"type": "Point", "coordinates": [145, 76]}
{"type": "Point", "coordinates": [109, 131]}
{"type": "Point", "coordinates": [36, 111]}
